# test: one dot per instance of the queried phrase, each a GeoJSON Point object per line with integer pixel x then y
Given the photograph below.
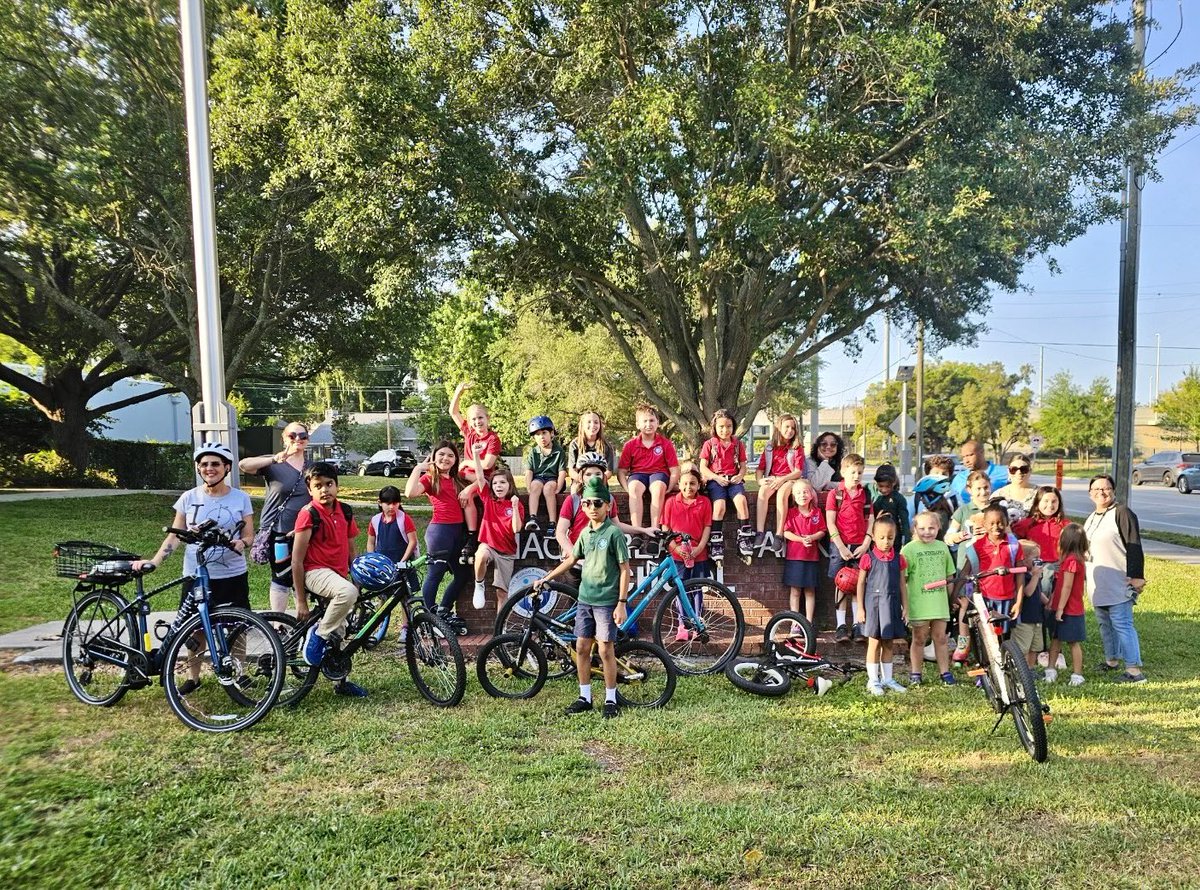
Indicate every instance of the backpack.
{"type": "Point", "coordinates": [1014, 552]}
{"type": "Point", "coordinates": [768, 459]}
{"type": "Point", "coordinates": [315, 515]}
{"type": "Point", "coordinates": [737, 463]}
{"type": "Point", "coordinates": [935, 497]}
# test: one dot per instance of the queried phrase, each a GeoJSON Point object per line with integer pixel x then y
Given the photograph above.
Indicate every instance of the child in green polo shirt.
{"type": "Point", "coordinates": [929, 561]}
{"type": "Point", "coordinates": [603, 592]}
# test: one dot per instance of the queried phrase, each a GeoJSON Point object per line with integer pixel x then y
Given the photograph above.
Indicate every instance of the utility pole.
{"type": "Point", "coordinates": [814, 410]}
{"type": "Point", "coordinates": [388, 409]}
{"type": "Point", "coordinates": [919, 465]}
{"type": "Point", "coordinates": [1157, 367]}
{"type": "Point", "coordinates": [1127, 301]}
{"type": "Point", "coordinates": [887, 350]}
{"type": "Point", "coordinates": [1041, 373]}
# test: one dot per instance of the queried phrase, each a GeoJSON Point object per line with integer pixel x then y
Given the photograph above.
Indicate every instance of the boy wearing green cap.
{"type": "Point", "coordinates": [603, 592]}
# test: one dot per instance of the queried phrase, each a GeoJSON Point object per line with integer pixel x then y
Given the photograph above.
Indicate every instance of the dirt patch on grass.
{"type": "Point", "coordinates": [9, 666]}
{"type": "Point", "coordinates": [605, 757]}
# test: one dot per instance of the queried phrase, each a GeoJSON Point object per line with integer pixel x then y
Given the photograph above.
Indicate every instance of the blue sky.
{"type": "Point", "coordinates": [1079, 304]}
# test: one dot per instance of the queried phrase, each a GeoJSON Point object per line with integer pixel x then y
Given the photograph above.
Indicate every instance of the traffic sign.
{"type": "Point", "coordinates": [1036, 442]}
{"type": "Point", "coordinates": [894, 426]}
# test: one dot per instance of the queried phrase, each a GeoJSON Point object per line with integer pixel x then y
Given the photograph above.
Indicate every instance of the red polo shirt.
{"type": "Point", "coordinates": [690, 519]}
{"type": "Point", "coordinates": [329, 545]}
{"type": "Point", "coordinates": [495, 526]}
{"type": "Point", "coordinates": [657, 457]}
{"type": "Point", "coordinates": [993, 556]}
{"type": "Point", "coordinates": [851, 519]}
{"type": "Point", "coordinates": [724, 458]}
{"type": "Point", "coordinates": [804, 524]}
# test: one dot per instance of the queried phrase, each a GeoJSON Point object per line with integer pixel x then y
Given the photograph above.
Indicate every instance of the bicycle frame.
{"type": "Point", "coordinates": [400, 595]}
{"type": "Point", "coordinates": [558, 633]}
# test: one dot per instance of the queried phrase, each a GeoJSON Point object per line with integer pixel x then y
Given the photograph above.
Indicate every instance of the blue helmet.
{"type": "Point", "coordinates": [539, 423]}
{"type": "Point", "coordinates": [372, 571]}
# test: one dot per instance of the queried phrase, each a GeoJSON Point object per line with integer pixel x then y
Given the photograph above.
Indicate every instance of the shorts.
{"type": "Point", "coordinates": [225, 592]}
{"type": "Point", "coordinates": [719, 492]}
{"type": "Point", "coordinates": [1002, 607]}
{"type": "Point", "coordinates": [545, 479]}
{"type": "Point", "coordinates": [701, 569]}
{"type": "Point", "coordinates": [802, 573]}
{"type": "Point", "coordinates": [1072, 629]}
{"type": "Point", "coordinates": [647, 478]}
{"type": "Point", "coordinates": [1029, 637]}
{"type": "Point", "coordinates": [836, 561]}
{"type": "Point", "coordinates": [502, 566]}
{"type": "Point", "coordinates": [595, 623]}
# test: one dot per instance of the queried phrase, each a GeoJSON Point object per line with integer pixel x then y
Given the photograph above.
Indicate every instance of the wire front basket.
{"type": "Point", "coordinates": [75, 558]}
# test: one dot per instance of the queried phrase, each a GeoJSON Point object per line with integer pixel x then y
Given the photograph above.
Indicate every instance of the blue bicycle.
{"type": "Point", "coordinates": [698, 622]}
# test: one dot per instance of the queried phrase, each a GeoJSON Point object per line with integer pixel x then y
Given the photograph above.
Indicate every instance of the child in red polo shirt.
{"type": "Point", "coordinates": [689, 513]}
{"type": "Point", "coordinates": [723, 468]}
{"type": "Point", "coordinates": [803, 530]}
{"type": "Point", "coordinates": [321, 552]}
{"type": "Point", "coordinates": [503, 517]}
{"type": "Point", "coordinates": [849, 518]}
{"type": "Point", "coordinates": [478, 437]}
{"type": "Point", "coordinates": [997, 549]}
{"type": "Point", "coordinates": [648, 462]}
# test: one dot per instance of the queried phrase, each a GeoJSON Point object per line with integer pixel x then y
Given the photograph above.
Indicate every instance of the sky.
{"type": "Point", "coordinates": [1078, 306]}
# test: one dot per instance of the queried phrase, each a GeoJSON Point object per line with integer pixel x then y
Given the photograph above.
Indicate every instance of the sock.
{"type": "Point", "coordinates": [610, 695]}
{"type": "Point", "coordinates": [585, 692]}
{"type": "Point", "coordinates": [887, 670]}
{"type": "Point", "coordinates": [873, 671]}
{"type": "Point", "coordinates": [841, 616]}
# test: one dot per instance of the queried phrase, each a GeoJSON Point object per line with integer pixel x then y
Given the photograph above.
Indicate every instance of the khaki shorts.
{"type": "Point", "coordinates": [502, 566]}
{"type": "Point", "coordinates": [1028, 637]}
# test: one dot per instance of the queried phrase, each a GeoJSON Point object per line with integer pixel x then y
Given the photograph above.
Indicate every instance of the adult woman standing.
{"type": "Point", "coordinates": [1115, 577]}
{"type": "Point", "coordinates": [1020, 490]}
{"type": "Point", "coordinates": [286, 496]}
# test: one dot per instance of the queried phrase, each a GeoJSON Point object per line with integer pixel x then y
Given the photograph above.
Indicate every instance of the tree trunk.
{"type": "Point", "coordinates": [69, 417]}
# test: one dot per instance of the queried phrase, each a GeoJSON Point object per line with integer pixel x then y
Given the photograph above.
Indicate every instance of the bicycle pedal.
{"type": "Point", "coordinates": [977, 672]}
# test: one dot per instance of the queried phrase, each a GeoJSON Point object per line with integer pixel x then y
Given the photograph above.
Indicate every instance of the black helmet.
{"type": "Point", "coordinates": [539, 423]}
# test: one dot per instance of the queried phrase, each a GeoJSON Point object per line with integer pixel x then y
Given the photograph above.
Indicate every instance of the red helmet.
{"type": "Point", "coordinates": [846, 579]}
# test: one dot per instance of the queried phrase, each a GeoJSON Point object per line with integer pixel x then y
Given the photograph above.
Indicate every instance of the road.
{"type": "Point", "coordinates": [1157, 507]}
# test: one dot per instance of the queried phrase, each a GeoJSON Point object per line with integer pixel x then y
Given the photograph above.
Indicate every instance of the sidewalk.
{"type": "Point", "coordinates": [39, 494]}
{"type": "Point", "coordinates": [1171, 552]}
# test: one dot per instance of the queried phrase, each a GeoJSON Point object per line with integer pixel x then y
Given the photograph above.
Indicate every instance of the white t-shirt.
{"type": "Point", "coordinates": [227, 510]}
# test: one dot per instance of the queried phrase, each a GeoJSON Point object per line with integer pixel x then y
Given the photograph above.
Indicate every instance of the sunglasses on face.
{"type": "Point", "coordinates": [297, 435]}
{"type": "Point", "coordinates": [592, 502]}
{"type": "Point", "coordinates": [827, 444]}
{"type": "Point", "coordinates": [1018, 469]}
{"type": "Point", "coordinates": [210, 464]}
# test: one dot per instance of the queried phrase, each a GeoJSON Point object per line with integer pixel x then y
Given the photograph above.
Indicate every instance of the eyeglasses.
{"type": "Point", "coordinates": [1100, 491]}
{"type": "Point", "coordinates": [297, 435]}
{"type": "Point", "coordinates": [1018, 469]}
{"type": "Point", "coordinates": [592, 502]}
{"type": "Point", "coordinates": [827, 444]}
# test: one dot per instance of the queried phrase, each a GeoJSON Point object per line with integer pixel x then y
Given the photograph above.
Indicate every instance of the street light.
{"type": "Point", "coordinates": [904, 373]}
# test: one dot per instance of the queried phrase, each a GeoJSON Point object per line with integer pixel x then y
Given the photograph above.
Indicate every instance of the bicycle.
{"type": "Point", "coordinates": [219, 668]}
{"type": "Point", "coordinates": [435, 660]}
{"type": "Point", "coordinates": [699, 623]}
{"type": "Point", "coordinates": [1001, 669]}
{"type": "Point", "coordinates": [515, 665]}
{"type": "Point", "coordinates": [788, 656]}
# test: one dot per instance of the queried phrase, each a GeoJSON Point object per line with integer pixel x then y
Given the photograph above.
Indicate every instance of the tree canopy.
{"type": "Point", "coordinates": [1077, 418]}
{"type": "Point", "coordinates": [1179, 407]}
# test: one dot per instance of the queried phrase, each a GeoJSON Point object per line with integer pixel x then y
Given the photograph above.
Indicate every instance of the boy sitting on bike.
{"type": "Point", "coordinates": [321, 552]}
{"type": "Point", "coordinates": [603, 593]}
{"type": "Point", "coordinates": [997, 549]}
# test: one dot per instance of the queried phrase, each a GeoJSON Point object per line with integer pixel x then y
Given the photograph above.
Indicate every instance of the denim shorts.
{"type": "Point", "coordinates": [718, 492]}
{"type": "Point", "coordinates": [595, 622]}
{"type": "Point", "coordinates": [647, 478]}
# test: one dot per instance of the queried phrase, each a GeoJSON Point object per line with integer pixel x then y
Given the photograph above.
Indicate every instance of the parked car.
{"type": "Point", "coordinates": [1165, 466]}
{"type": "Point", "coordinates": [1188, 480]}
{"type": "Point", "coordinates": [389, 462]}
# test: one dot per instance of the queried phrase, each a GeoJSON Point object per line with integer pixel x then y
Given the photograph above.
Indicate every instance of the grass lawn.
{"type": "Point", "coordinates": [719, 790]}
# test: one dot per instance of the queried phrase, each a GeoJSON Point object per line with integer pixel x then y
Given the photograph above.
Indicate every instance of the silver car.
{"type": "Point", "coordinates": [1165, 466]}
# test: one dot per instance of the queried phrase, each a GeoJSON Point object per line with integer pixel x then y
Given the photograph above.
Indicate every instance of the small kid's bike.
{"type": "Point", "coordinates": [1001, 669]}
{"type": "Point", "coordinates": [221, 669]}
{"type": "Point", "coordinates": [788, 656]}
{"type": "Point", "coordinates": [435, 660]}
{"type": "Point", "coordinates": [698, 623]}
{"type": "Point", "coordinates": [515, 665]}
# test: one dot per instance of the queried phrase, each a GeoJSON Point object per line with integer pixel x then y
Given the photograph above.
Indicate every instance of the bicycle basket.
{"type": "Point", "coordinates": [75, 558]}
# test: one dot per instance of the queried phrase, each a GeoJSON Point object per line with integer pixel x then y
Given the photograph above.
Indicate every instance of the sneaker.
{"type": "Point", "coordinates": [759, 537]}
{"type": "Point", "coordinates": [580, 706]}
{"type": "Point", "coordinates": [948, 679]}
{"type": "Point", "coordinates": [611, 709]}
{"type": "Point", "coordinates": [859, 634]}
{"type": "Point", "coordinates": [188, 686]}
{"type": "Point", "coordinates": [682, 635]}
{"type": "Point", "coordinates": [1061, 662]}
{"type": "Point", "coordinates": [894, 686]}
{"type": "Point", "coordinates": [1127, 677]}
{"type": "Point", "coordinates": [402, 637]}
{"type": "Point", "coordinates": [314, 649]}
{"type": "Point", "coordinates": [1043, 659]}
{"type": "Point", "coordinates": [875, 689]}
{"type": "Point", "coordinates": [823, 685]}
{"type": "Point", "coordinates": [1051, 675]}
{"type": "Point", "coordinates": [1076, 680]}
{"type": "Point", "coordinates": [842, 634]}
{"type": "Point", "coordinates": [1106, 667]}
{"type": "Point", "coordinates": [960, 651]}
{"type": "Point", "coordinates": [350, 690]}
{"type": "Point", "coordinates": [479, 600]}
{"type": "Point", "coordinates": [914, 679]}
{"type": "Point", "coordinates": [531, 524]}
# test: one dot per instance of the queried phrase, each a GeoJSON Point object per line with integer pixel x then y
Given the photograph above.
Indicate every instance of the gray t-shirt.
{"type": "Point", "coordinates": [227, 511]}
{"type": "Point", "coordinates": [286, 496]}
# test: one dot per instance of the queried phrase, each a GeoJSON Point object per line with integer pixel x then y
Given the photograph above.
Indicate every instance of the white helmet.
{"type": "Point", "coordinates": [220, 449]}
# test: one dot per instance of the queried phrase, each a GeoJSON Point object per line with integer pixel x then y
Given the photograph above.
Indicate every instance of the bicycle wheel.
{"type": "Point", "coordinates": [300, 677]}
{"type": "Point", "coordinates": [706, 647]}
{"type": "Point", "coordinates": [760, 676]}
{"type": "Point", "coordinates": [1025, 706]}
{"type": "Point", "coordinates": [241, 686]}
{"type": "Point", "coordinates": [94, 636]}
{"type": "Point", "coordinates": [435, 660]}
{"type": "Point", "coordinates": [646, 676]}
{"type": "Point", "coordinates": [784, 625]}
{"type": "Point", "coordinates": [510, 667]}
{"type": "Point", "coordinates": [558, 604]}
{"type": "Point", "coordinates": [362, 612]}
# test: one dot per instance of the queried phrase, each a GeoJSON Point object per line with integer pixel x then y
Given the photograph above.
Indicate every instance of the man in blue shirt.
{"type": "Point", "coordinates": [973, 458]}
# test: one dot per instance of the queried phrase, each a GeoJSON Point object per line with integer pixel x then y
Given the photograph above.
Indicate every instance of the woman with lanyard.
{"type": "Point", "coordinates": [1115, 577]}
{"type": "Point", "coordinates": [286, 496]}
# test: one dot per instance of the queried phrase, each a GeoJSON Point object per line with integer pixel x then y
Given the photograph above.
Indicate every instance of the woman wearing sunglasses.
{"type": "Point", "coordinates": [1020, 491]}
{"type": "Point", "coordinates": [286, 496]}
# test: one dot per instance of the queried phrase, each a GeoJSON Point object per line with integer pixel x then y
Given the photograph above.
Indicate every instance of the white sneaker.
{"type": "Point", "coordinates": [1051, 675]}
{"type": "Point", "coordinates": [1076, 680]}
{"type": "Point", "coordinates": [824, 684]}
{"type": "Point", "coordinates": [1043, 659]}
{"type": "Point", "coordinates": [1061, 664]}
{"type": "Point", "coordinates": [929, 653]}
{"type": "Point", "coordinates": [479, 600]}
{"type": "Point", "coordinates": [894, 686]}
{"type": "Point", "coordinates": [874, 689]}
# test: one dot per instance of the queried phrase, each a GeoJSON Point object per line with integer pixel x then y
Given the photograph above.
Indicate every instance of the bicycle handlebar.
{"type": "Point", "coordinates": [1001, 570]}
{"type": "Point", "coordinates": [206, 534]}
{"type": "Point", "coordinates": [667, 535]}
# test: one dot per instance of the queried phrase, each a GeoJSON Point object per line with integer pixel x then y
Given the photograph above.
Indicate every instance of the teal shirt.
{"type": "Point", "coordinates": [603, 550]}
{"type": "Point", "coordinates": [547, 464]}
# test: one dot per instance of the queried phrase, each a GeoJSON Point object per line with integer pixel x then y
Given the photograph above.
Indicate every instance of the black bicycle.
{"type": "Point", "coordinates": [435, 660]}
{"type": "Point", "coordinates": [219, 668]}
{"type": "Point", "coordinates": [788, 658]}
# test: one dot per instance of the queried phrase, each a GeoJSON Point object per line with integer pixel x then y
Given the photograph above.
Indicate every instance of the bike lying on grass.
{"type": "Point", "coordinates": [435, 660]}
{"type": "Point", "coordinates": [1000, 667]}
{"type": "Point", "coordinates": [516, 665]}
{"type": "Point", "coordinates": [788, 657]}
{"type": "Point", "coordinates": [220, 668]}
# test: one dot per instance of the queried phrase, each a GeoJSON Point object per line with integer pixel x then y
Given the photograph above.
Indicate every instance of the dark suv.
{"type": "Point", "coordinates": [1165, 466]}
{"type": "Point", "coordinates": [389, 462]}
